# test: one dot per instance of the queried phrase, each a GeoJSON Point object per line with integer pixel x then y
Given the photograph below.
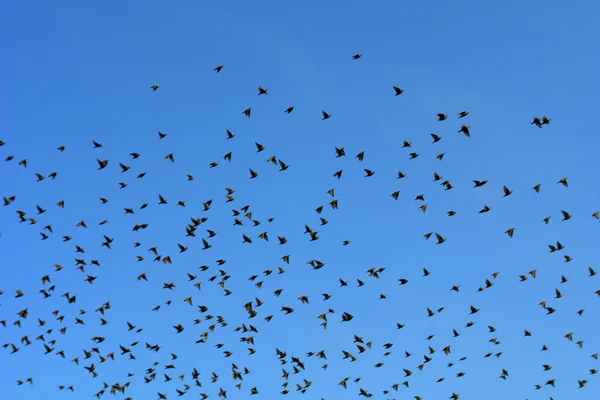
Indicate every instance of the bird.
{"type": "Point", "coordinates": [440, 238]}
{"type": "Point", "coordinates": [465, 130]}
{"type": "Point", "coordinates": [564, 182]}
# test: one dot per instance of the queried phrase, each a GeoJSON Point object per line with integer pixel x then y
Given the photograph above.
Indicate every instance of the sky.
{"type": "Point", "coordinates": [77, 72]}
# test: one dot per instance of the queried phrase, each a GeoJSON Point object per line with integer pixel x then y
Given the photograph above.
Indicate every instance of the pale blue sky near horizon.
{"type": "Point", "coordinates": [74, 72]}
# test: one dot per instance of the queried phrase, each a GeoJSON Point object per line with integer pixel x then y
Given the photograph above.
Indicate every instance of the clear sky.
{"type": "Point", "coordinates": [74, 72]}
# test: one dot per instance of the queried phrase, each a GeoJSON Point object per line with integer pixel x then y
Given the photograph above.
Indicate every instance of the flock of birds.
{"type": "Point", "coordinates": [46, 333]}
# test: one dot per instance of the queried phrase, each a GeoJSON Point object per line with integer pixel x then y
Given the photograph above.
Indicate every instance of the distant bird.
{"type": "Point", "coordinates": [537, 122]}
{"type": "Point", "coordinates": [440, 238]}
{"type": "Point", "coordinates": [563, 181]}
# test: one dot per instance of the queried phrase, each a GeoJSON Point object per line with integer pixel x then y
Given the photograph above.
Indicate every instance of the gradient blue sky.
{"type": "Point", "coordinates": [74, 72]}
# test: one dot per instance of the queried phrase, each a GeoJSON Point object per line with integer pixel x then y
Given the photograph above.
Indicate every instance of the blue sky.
{"type": "Point", "coordinates": [77, 73]}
